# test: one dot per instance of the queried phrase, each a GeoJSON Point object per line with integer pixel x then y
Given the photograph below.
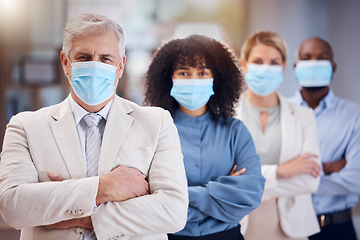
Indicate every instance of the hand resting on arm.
{"type": "Point", "coordinates": [120, 184]}
{"type": "Point", "coordinates": [304, 164]}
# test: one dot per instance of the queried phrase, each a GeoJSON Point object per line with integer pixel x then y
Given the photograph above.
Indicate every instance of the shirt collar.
{"type": "Point", "coordinates": [188, 120]}
{"type": "Point", "coordinates": [298, 98]}
{"type": "Point", "coordinates": [80, 112]}
{"type": "Point", "coordinates": [328, 99]}
{"type": "Point", "coordinates": [326, 102]}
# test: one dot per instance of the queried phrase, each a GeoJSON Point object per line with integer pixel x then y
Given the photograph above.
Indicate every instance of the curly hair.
{"type": "Point", "coordinates": [193, 51]}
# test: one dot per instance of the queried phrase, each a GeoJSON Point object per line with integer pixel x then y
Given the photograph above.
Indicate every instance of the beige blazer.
{"type": "Point", "coordinates": [298, 136]}
{"type": "Point", "coordinates": [46, 140]}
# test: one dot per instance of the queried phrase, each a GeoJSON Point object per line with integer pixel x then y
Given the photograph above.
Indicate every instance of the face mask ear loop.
{"type": "Point", "coordinates": [118, 65]}
{"type": "Point", "coordinates": [71, 65]}
{"type": "Point", "coordinates": [118, 80]}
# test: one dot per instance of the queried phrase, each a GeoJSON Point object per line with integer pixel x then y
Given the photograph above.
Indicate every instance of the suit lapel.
{"type": "Point", "coordinates": [67, 139]}
{"type": "Point", "coordinates": [117, 126]}
{"type": "Point", "coordinates": [287, 123]}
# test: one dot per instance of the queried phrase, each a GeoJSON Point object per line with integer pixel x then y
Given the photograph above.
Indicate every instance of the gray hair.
{"type": "Point", "coordinates": [89, 23]}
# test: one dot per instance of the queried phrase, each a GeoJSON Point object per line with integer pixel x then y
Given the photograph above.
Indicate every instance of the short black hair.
{"type": "Point", "coordinates": [193, 51]}
{"type": "Point", "coordinates": [321, 40]}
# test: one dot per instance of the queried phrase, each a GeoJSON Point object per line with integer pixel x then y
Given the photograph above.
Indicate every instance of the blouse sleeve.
{"type": "Point", "coordinates": [230, 198]}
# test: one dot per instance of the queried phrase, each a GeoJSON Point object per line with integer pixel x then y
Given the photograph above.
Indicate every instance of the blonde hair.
{"type": "Point", "coordinates": [89, 23]}
{"type": "Point", "coordinates": [267, 38]}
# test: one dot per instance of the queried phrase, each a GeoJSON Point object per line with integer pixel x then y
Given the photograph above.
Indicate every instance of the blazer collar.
{"type": "Point", "coordinates": [64, 129]}
{"type": "Point", "coordinates": [288, 128]}
{"type": "Point", "coordinates": [117, 125]}
{"type": "Point", "coordinates": [66, 137]}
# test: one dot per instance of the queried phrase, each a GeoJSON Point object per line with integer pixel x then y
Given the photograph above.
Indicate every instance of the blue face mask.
{"type": "Point", "coordinates": [192, 93]}
{"type": "Point", "coordinates": [92, 81]}
{"type": "Point", "coordinates": [263, 79]}
{"type": "Point", "coordinates": [313, 73]}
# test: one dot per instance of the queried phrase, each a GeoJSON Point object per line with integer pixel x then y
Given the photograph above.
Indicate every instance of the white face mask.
{"type": "Point", "coordinates": [263, 79]}
{"type": "Point", "coordinates": [92, 81]}
{"type": "Point", "coordinates": [192, 93]}
{"type": "Point", "coordinates": [314, 73]}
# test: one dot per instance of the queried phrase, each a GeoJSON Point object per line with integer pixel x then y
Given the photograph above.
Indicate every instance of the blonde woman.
{"type": "Point", "coordinates": [285, 138]}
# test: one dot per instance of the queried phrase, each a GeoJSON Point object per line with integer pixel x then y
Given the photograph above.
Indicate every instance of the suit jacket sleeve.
{"type": "Point", "coordinates": [24, 201]}
{"type": "Point", "coordinates": [164, 209]}
{"type": "Point", "coordinates": [301, 184]}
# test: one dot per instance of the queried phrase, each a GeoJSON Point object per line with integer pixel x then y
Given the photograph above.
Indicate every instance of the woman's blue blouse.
{"type": "Point", "coordinates": [218, 202]}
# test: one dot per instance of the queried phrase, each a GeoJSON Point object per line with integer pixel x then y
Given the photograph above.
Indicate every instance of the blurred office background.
{"type": "Point", "coordinates": [31, 39]}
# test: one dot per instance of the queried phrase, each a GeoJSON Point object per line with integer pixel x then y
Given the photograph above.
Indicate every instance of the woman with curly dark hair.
{"type": "Point", "coordinates": [198, 81]}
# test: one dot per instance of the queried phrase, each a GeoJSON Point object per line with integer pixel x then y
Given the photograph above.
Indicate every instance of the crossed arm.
{"type": "Point", "coordinates": [121, 184]}
{"type": "Point", "coordinates": [335, 166]}
{"type": "Point", "coordinates": [303, 164]}
{"type": "Point", "coordinates": [130, 182]}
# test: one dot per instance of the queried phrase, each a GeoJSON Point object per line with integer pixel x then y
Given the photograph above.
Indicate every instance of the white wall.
{"type": "Point", "coordinates": [344, 34]}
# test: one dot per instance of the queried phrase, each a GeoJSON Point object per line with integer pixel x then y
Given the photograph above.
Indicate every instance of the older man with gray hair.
{"type": "Point", "coordinates": [95, 166]}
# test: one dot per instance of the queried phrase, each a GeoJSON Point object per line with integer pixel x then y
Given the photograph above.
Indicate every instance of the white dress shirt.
{"type": "Point", "coordinates": [81, 126]}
